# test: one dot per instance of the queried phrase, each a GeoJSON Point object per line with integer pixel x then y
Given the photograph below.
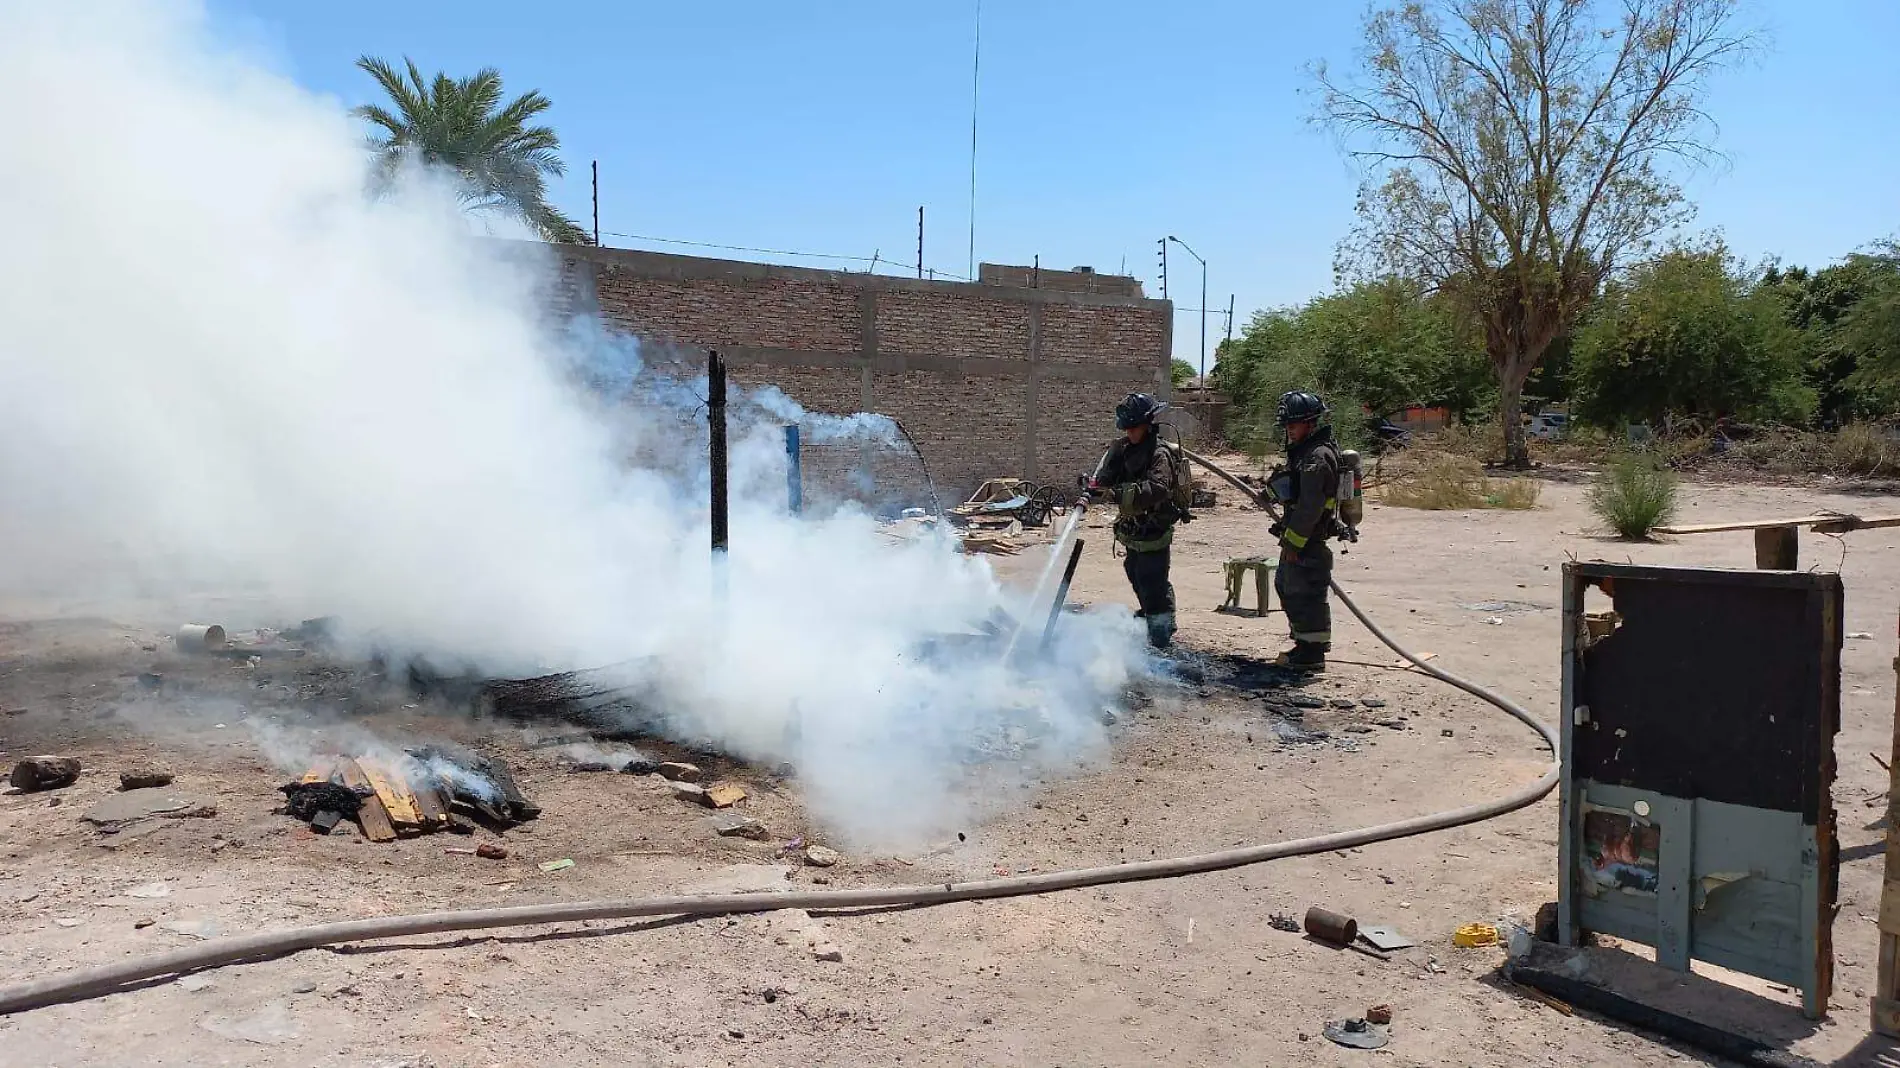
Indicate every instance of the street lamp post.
{"type": "Point", "coordinates": [1203, 264]}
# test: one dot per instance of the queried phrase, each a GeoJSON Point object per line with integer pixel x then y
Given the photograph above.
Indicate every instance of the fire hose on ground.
{"type": "Point", "coordinates": [104, 979]}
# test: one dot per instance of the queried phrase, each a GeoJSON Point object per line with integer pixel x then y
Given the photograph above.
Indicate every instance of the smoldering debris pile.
{"type": "Point", "coordinates": [423, 790]}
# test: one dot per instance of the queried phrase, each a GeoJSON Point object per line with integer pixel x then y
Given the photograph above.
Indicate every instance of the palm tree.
{"type": "Point", "coordinates": [462, 124]}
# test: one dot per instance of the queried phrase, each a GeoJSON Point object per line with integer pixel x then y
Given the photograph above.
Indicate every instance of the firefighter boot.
{"type": "Point", "coordinates": [1304, 656]}
{"type": "Point", "coordinates": [1160, 629]}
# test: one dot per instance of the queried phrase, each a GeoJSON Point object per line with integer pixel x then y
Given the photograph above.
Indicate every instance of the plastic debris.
{"type": "Point", "coordinates": [1475, 936]}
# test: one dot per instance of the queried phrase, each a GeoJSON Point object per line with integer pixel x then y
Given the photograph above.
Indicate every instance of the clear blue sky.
{"type": "Point", "coordinates": [1102, 125]}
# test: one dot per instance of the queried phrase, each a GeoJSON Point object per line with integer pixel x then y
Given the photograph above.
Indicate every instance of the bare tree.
{"type": "Point", "coordinates": [1517, 153]}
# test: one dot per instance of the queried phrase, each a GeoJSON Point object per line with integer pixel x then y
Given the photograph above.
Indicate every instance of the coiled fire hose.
{"type": "Point", "coordinates": [83, 983]}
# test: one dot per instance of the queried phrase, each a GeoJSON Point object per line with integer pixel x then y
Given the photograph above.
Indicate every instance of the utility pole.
{"type": "Point", "coordinates": [1197, 256]}
{"type": "Point", "coordinates": [976, 69]}
{"type": "Point", "coordinates": [920, 240]}
{"type": "Point", "coordinates": [596, 203]}
{"type": "Point", "coordinates": [1163, 242]}
{"type": "Point", "coordinates": [1230, 318]}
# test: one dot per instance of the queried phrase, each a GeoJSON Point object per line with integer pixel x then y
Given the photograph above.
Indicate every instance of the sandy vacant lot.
{"type": "Point", "coordinates": [1181, 972]}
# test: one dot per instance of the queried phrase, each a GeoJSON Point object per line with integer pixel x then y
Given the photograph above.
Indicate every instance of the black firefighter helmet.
{"type": "Point", "coordinates": [1137, 409]}
{"type": "Point", "coordinates": [1300, 406]}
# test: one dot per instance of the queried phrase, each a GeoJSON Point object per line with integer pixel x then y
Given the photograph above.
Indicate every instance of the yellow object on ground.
{"type": "Point", "coordinates": [1475, 936]}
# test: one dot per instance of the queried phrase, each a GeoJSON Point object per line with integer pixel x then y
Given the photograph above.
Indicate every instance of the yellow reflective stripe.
{"type": "Point", "coordinates": [1332, 502]}
{"type": "Point", "coordinates": [1317, 637]}
{"type": "Point", "coordinates": [1298, 541]}
{"type": "Point", "coordinates": [1148, 546]}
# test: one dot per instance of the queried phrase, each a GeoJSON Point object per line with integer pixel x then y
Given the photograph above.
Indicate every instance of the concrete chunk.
{"type": "Point", "coordinates": [678, 771]}
{"type": "Point", "coordinates": [44, 773]}
{"type": "Point", "coordinates": [139, 804]}
{"type": "Point", "coordinates": [144, 778]}
{"type": "Point", "coordinates": [733, 825]}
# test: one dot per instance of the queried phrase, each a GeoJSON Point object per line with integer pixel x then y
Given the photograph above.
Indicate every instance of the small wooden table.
{"type": "Point", "coordinates": [1262, 568]}
{"type": "Point", "coordinates": [1777, 542]}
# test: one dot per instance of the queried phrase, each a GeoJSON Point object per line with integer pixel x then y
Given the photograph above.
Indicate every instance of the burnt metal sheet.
{"type": "Point", "coordinates": [1715, 691]}
{"type": "Point", "coordinates": [1698, 766]}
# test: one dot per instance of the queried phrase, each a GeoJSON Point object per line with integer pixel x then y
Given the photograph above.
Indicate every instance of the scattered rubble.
{"type": "Point", "coordinates": [686, 791]}
{"type": "Point", "coordinates": [1379, 1014]}
{"type": "Point", "coordinates": [117, 810]}
{"type": "Point", "coordinates": [724, 796]}
{"type": "Point", "coordinates": [677, 771]}
{"type": "Point", "coordinates": [734, 825]}
{"type": "Point", "coordinates": [491, 851]}
{"type": "Point", "coordinates": [821, 857]}
{"type": "Point", "coordinates": [1293, 734]}
{"type": "Point", "coordinates": [144, 779]}
{"type": "Point", "coordinates": [552, 866]}
{"type": "Point", "coordinates": [44, 773]}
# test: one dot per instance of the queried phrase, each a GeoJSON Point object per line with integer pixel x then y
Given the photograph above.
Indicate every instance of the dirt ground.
{"type": "Point", "coordinates": [1186, 971]}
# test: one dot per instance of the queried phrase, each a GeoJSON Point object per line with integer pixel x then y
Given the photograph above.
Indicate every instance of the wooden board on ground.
{"type": "Point", "coordinates": [431, 806]}
{"type": "Point", "coordinates": [725, 796]}
{"type": "Point", "coordinates": [371, 815]}
{"type": "Point", "coordinates": [1830, 523]}
{"type": "Point", "coordinates": [393, 791]}
{"type": "Point", "coordinates": [324, 770]}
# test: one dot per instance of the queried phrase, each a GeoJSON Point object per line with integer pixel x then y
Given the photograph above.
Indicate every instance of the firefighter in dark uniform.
{"type": "Point", "coordinates": [1138, 475]}
{"type": "Point", "coordinates": [1308, 488]}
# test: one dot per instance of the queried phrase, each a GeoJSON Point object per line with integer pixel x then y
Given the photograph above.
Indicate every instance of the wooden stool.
{"type": "Point", "coordinates": [1262, 568]}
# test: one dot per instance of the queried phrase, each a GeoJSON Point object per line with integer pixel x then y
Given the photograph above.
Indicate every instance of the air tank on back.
{"type": "Point", "coordinates": [1352, 489]}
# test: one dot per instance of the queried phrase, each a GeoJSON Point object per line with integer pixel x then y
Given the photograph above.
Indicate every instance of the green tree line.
{"type": "Point", "coordinates": [1691, 333]}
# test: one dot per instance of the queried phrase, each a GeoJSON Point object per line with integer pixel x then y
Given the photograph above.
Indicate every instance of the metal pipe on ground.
{"type": "Point", "coordinates": [109, 978]}
{"type": "Point", "coordinates": [1331, 927]}
{"type": "Point", "coordinates": [199, 638]}
{"type": "Point", "coordinates": [1062, 595]}
{"type": "Point", "coordinates": [794, 472]}
{"type": "Point", "coordinates": [716, 425]}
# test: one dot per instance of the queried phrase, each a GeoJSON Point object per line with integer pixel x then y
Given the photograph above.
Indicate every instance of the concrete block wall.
{"type": "Point", "coordinates": [989, 379]}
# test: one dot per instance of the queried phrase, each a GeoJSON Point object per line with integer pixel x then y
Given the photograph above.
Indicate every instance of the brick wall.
{"type": "Point", "coordinates": [1080, 280]}
{"type": "Point", "coordinates": [989, 379]}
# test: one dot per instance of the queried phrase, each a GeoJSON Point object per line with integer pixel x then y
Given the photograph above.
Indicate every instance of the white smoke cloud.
{"type": "Point", "coordinates": [222, 367]}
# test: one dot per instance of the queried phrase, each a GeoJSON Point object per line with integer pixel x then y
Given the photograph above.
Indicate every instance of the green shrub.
{"type": "Point", "coordinates": [1863, 449]}
{"type": "Point", "coordinates": [1634, 495]}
